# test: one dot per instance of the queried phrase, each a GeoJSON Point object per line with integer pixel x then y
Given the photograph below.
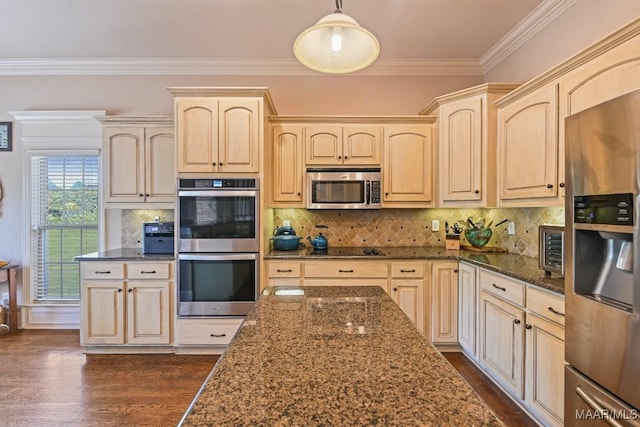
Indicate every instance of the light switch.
{"type": "Point", "coordinates": [435, 225]}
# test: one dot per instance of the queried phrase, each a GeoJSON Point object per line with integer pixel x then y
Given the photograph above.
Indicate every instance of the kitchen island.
{"type": "Point", "coordinates": [343, 356]}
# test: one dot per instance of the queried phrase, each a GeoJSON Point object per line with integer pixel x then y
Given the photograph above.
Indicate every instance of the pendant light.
{"type": "Point", "coordinates": [336, 44]}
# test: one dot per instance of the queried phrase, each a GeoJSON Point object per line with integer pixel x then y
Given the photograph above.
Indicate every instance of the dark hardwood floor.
{"type": "Point", "coordinates": [47, 380]}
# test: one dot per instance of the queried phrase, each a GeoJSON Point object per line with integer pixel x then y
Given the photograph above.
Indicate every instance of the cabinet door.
{"type": "Point", "coordinates": [502, 343]}
{"type": "Point", "coordinates": [467, 308]}
{"type": "Point", "coordinates": [159, 160]}
{"type": "Point", "coordinates": [124, 175]}
{"type": "Point", "coordinates": [148, 312]}
{"type": "Point", "coordinates": [544, 394]}
{"type": "Point", "coordinates": [444, 302]}
{"type": "Point", "coordinates": [407, 166]}
{"type": "Point", "coordinates": [460, 142]}
{"type": "Point", "coordinates": [239, 135]}
{"type": "Point", "coordinates": [288, 171]}
{"type": "Point", "coordinates": [102, 312]}
{"type": "Point", "coordinates": [197, 134]}
{"type": "Point", "coordinates": [362, 145]}
{"type": "Point", "coordinates": [323, 145]}
{"type": "Point", "coordinates": [528, 149]}
{"type": "Point", "coordinates": [409, 295]}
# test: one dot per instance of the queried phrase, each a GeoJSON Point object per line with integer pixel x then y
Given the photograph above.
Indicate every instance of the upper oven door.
{"type": "Point", "coordinates": [342, 189]}
{"type": "Point", "coordinates": [218, 221]}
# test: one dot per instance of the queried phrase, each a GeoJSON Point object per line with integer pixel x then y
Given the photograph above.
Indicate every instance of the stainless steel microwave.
{"type": "Point", "coordinates": [551, 248]}
{"type": "Point", "coordinates": [333, 188]}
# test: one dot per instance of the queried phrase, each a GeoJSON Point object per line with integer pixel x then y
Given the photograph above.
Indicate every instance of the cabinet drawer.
{"type": "Point", "coordinates": [102, 270]}
{"type": "Point", "coordinates": [503, 287]}
{"type": "Point", "coordinates": [346, 269]}
{"type": "Point", "coordinates": [400, 269]}
{"type": "Point", "coordinates": [148, 270]}
{"type": "Point", "coordinates": [284, 269]}
{"type": "Point", "coordinates": [217, 332]}
{"type": "Point", "coordinates": [545, 305]}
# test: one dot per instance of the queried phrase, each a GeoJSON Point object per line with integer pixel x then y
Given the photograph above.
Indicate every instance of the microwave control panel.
{"type": "Point", "coordinates": [375, 191]}
{"type": "Point", "coordinates": [616, 209]}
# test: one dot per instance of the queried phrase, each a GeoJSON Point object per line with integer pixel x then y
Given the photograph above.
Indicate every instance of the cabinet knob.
{"type": "Point", "coordinates": [477, 191]}
{"type": "Point", "coordinates": [516, 321]}
{"type": "Point", "coordinates": [345, 157]}
{"type": "Point", "coordinates": [218, 335]}
{"type": "Point", "coordinates": [221, 164]}
{"type": "Point", "coordinates": [549, 185]}
{"type": "Point", "coordinates": [214, 163]}
{"type": "Point", "coordinates": [299, 194]}
{"type": "Point", "coordinates": [528, 326]}
{"type": "Point", "coordinates": [455, 270]}
{"type": "Point", "coordinates": [386, 194]}
{"type": "Point", "coordinates": [147, 195]}
{"type": "Point", "coordinates": [130, 290]}
{"type": "Point", "coordinates": [339, 157]}
{"type": "Point", "coordinates": [395, 289]}
{"type": "Point", "coordinates": [140, 195]}
{"type": "Point", "coordinates": [119, 289]}
{"type": "Point", "coordinates": [561, 185]}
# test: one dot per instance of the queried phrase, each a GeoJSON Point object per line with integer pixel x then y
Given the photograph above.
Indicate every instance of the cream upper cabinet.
{"type": "Point", "coordinates": [467, 139]}
{"type": "Point", "coordinates": [444, 302]}
{"type": "Point", "coordinates": [407, 167]}
{"type": "Point", "coordinates": [218, 134]}
{"type": "Point", "coordinates": [336, 145]}
{"type": "Point", "coordinates": [137, 156]}
{"type": "Point", "coordinates": [468, 309]}
{"type": "Point", "coordinates": [528, 150]}
{"type": "Point", "coordinates": [288, 168]}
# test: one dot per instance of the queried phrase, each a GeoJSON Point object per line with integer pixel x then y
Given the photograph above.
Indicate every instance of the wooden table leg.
{"type": "Point", "coordinates": [13, 300]}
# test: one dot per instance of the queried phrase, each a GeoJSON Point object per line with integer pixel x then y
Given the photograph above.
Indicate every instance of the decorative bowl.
{"type": "Point", "coordinates": [478, 237]}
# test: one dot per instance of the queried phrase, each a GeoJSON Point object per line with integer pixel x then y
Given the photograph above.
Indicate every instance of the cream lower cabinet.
{"type": "Point", "coordinates": [444, 302]}
{"type": "Point", "coordinates": [407, 290]}
{"type": "Point", "coordinates": [468, 309]}
{"type": "Point", "coordinates": [346, 273]}
{"type": "Point", "coordinates": [126, 304]}
{"type": "Point", "coordinates": [544, 361]}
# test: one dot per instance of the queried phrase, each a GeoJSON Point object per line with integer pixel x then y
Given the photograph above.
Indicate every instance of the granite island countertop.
{"type": "Point", "coordinates": [519, 267]}
{"type": "Point", "coordinates": [333, 356]}
{"type": "Point", "coordinates": [124, 254]}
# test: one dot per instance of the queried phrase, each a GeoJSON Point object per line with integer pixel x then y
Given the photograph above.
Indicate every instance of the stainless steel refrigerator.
{"type": "Point", "coordinates": [602, 276]}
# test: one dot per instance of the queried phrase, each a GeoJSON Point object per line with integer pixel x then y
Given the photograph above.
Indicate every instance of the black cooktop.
{"type": "Point", "coordinates": [348, 251]}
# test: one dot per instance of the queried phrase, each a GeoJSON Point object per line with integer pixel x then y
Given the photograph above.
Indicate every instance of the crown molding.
{"type": "Point", "coordinates": [532, 24]}
{"type": "Point", "coordinates": [209, 66]}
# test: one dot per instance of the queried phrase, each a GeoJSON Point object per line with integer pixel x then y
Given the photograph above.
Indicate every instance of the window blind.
{"type": "Point", "coordinates": [64, 222]}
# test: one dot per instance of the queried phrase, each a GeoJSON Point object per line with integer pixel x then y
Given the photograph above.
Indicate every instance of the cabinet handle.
{"type": "Point", "coordinates": [527, 326]}
{"type": "Point", "coordinates": [345, 271]}
{"type": "Point", "coordinates": [561, 185]}
{"type": "Point", "coordinates": [516, 321]}
{"type": "Point", "coordinates": [218, 335]}
{"type": "Point", "coordinates": [549, 185]}
{"type": "Point", "coordinates": [148, 272]}
{"type": "Point", "coordinates": [119, 289]}
{"type": "Point", "coordinates": [499, 287]}
{"type": "Point", "coordinates": [557, 313]}
{"type": "Point", "coordinates": [130, 290]}
{"type": "Point", "coordinates": [102, 272]}
{"type": "Point", "coordinates": [477, 191]}
{"type": "Point", "coordinates": [413, 270]}
{"type": "Point", "coordinates": [284, 271]}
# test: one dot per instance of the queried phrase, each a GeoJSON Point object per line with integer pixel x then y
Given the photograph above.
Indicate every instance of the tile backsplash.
{"type": "Point", "coordinates": [412, 227]}
{"type": "Point", "coordinates": [132, 220]}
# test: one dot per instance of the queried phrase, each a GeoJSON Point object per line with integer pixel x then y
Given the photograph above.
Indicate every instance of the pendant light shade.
{"type": "Point", "coordinates": [336, 45]}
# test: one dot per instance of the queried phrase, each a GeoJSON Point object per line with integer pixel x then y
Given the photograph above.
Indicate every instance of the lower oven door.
{"type": "Point", "coordinates": [217, 284]}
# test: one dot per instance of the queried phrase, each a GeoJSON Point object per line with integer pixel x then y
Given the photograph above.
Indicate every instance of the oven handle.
{"type": "Point", "coordinates": [217, 257]}
{"type": "Point", "coordinates": [218, 193]}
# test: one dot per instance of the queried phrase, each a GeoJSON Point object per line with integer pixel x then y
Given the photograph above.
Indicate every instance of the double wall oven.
{"type": "Point", "coordinates": [218, 246]}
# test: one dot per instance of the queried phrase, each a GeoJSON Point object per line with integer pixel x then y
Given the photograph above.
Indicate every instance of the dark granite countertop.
{"type": "Point", "coordinates": [520, 267]}
{"type": "Point", "coordinates": [124, 254]}
{"type": "Point", "coordinates": [333, 356]}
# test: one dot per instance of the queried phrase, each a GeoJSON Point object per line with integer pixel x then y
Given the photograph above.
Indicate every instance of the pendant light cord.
{"type": "Point", "coordinates": [338, 6]}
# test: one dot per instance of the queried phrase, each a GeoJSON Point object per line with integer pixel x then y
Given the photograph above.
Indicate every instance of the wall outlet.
{"type": "Point", "coordinates": [286, 223]}
{"type": "Point", "coordinates": [435, 225]}
{"type": "Point", "coordinates": [511, 227]}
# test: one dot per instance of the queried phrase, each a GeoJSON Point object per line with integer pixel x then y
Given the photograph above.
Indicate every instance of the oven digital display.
{"type": "Point", "coordinates": [217, 183]}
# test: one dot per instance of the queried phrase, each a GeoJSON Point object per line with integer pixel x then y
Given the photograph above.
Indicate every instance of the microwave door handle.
{"type": "Point", "coordinates": [367, 197]}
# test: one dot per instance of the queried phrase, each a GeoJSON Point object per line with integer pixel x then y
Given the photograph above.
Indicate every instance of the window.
{"type": "Point", "coordinates": [64, 222]}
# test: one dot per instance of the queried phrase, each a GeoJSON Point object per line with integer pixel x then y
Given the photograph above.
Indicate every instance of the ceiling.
{"type": "Point", "coordinates": [252, 36]}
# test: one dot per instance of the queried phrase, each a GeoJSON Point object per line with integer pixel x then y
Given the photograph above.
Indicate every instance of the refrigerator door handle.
{"type": "Point", "coordinates": [597, 406]}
